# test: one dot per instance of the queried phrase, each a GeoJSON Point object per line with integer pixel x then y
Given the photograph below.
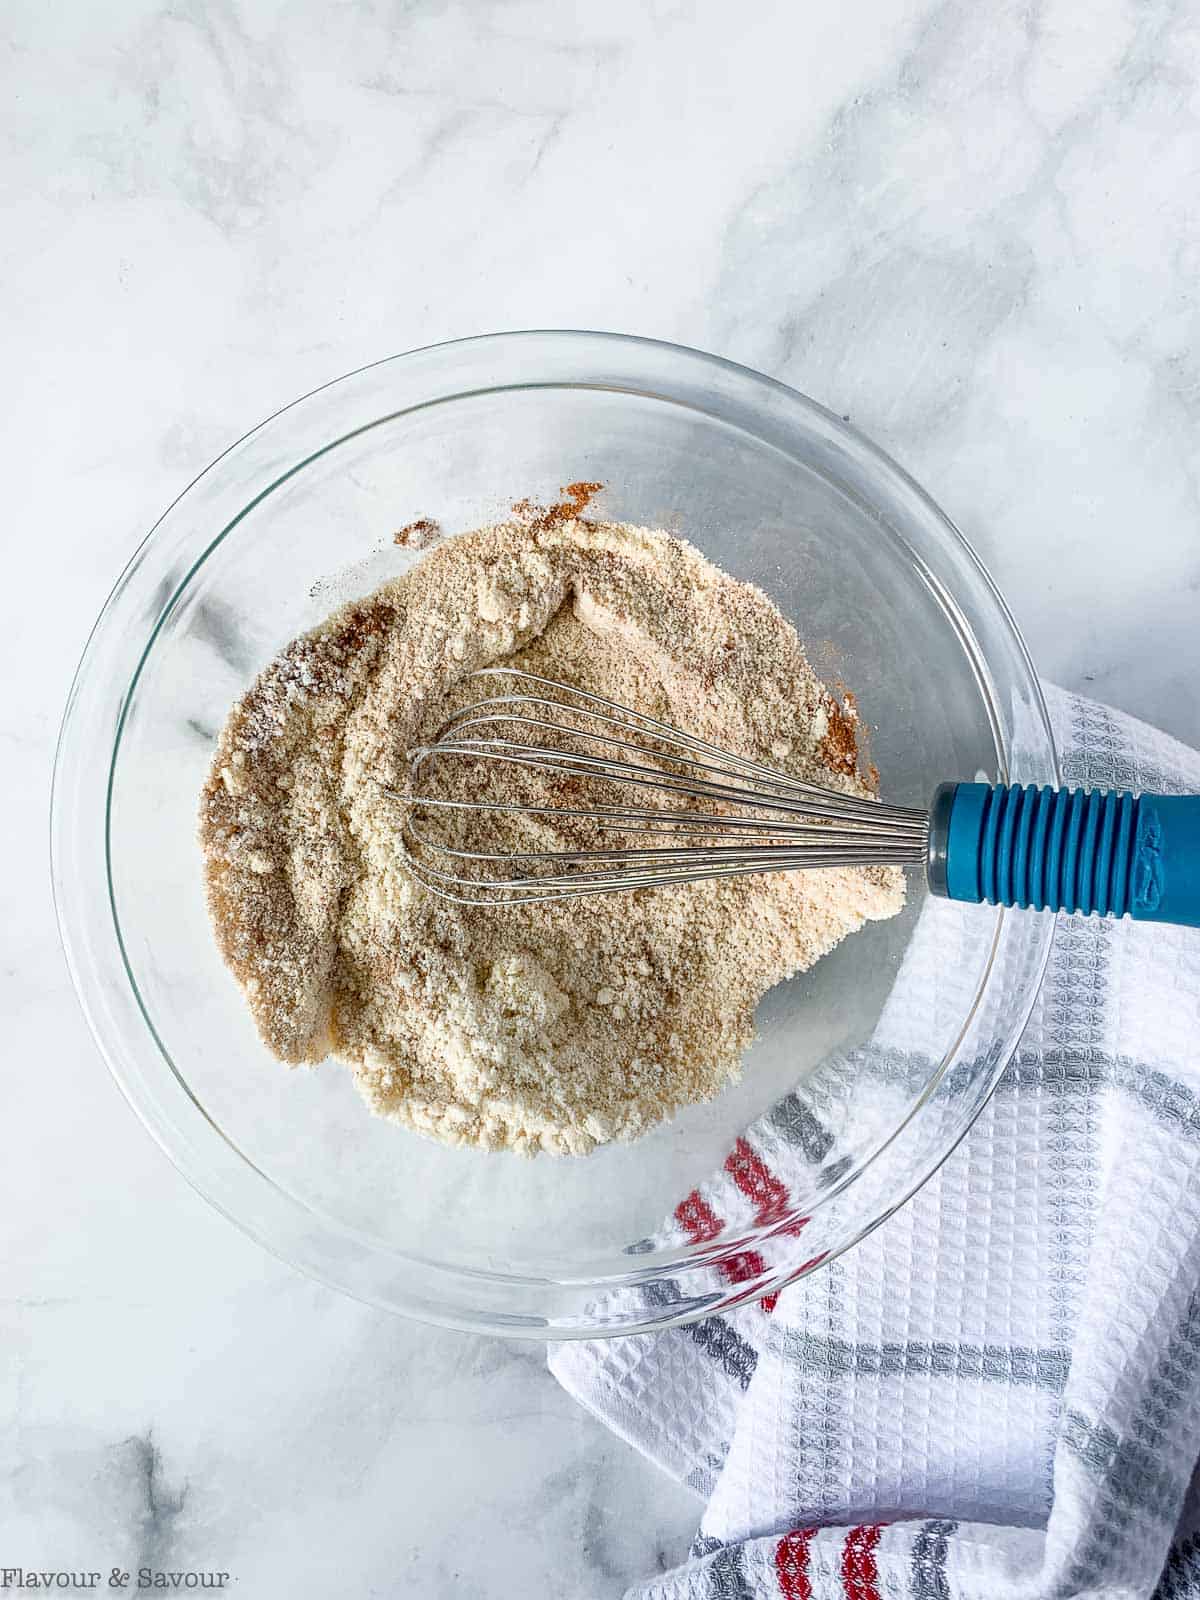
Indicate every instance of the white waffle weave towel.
{"type": "Point", "coordinates": [996, 1396]}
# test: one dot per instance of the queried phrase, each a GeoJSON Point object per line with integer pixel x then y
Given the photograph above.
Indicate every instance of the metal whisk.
{"type": "Point", "coordinates": [751, 817]}
{"type": "Point", "coordinates": [609, 778]}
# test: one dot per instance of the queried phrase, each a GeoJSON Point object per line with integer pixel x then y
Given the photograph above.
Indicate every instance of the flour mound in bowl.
{"type": "Point", "coordinates": [553, 1027]}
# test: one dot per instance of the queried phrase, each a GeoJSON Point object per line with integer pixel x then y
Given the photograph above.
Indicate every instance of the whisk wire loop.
{"type": "Point", "coordinates": [758, 819]}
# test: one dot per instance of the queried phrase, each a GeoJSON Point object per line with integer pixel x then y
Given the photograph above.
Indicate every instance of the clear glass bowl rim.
{"type": "Point", "coordinates": [441, 1293]}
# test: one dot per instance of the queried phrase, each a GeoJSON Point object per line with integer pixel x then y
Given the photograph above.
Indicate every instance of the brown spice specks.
{"type": "Point", "coordinates": [576, 497]}
{"type": "Point", "coordinates": [418, 535]}
{"type": "Point", "coordinates": [840, 744]}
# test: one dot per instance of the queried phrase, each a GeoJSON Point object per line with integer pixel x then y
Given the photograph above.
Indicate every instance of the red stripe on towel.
{"type": "Point", "coordinates": [702, 1224]}
{"type": "Point", "coordinates": [859, 1573]}
{"type": "Point", "coordinates": [791, 1564]}
{"type": "Point", "coordinates": [697, 1218]}
{"type": "Point", "coordinates": [768, 1194]}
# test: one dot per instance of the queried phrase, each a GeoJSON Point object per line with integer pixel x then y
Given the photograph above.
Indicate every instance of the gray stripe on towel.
{"type": "Point", "coordinates": [928, 1562]}
{"type": "Point", "coordinates": [1044, 1368]}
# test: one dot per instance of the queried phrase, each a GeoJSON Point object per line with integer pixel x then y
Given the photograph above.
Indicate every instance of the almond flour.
{"type": "Point", "coordinates": [540, 1028]}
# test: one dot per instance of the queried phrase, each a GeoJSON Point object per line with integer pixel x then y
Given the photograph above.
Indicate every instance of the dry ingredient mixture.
{"type": "Point", "coordinates": [540, 1028]}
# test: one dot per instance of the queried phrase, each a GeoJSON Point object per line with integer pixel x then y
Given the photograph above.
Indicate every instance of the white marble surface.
{"type": "Point", "coordinates": [973, 228]}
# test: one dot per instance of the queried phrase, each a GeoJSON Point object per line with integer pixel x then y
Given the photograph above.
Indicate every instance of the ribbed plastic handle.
{"type": "Point", "coordinates": [1069, 850]}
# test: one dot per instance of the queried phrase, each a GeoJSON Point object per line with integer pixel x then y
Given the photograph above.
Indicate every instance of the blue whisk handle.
{"type": "Point", "coordinates": [1068, 850]}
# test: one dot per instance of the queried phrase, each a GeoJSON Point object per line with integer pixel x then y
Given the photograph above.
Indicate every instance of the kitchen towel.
{"type": "Point", "coordinates": [996, 1395]}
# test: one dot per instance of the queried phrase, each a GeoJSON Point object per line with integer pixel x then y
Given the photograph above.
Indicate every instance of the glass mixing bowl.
{"type": "Point", "coordinates": [869, 1068]}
